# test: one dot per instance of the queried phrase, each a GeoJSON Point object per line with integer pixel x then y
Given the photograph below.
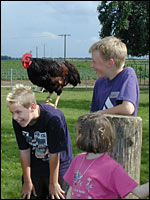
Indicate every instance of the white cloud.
{"type": "Point", "coordinates": [50, 35]}
{"type": "Point", "coordinates": [95, 38]}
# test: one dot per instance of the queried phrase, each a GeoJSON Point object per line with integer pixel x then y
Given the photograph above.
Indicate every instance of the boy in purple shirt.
{"type": "Point", "coordinates": [117, 90]}
{"type": "Point", "coordinates": [44, 144]}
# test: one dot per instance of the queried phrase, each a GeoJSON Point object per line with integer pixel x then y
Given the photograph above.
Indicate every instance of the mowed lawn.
{"type": "Point", "coordinates": [73, 103]}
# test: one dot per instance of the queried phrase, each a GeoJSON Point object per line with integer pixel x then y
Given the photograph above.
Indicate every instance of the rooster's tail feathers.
{"type": "Point", "coordinates": [74, 76]}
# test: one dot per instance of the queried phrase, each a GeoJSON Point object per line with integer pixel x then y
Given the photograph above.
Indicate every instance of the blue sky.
{"type": "Point", "coordinates": [26, 25]}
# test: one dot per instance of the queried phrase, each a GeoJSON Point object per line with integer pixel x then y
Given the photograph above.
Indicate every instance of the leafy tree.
{"type": "Point", "coordinates": [127, 20]}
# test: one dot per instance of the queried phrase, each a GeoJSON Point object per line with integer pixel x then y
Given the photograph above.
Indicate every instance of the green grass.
{"type": "Point", "coordinates": [73, 103]}
{"type": "Point", "coordinates": [141, 68]}
{"type": "Point", "coordinates": [143, 112]}
{"type": "Point", "coordinates": [82, 64]}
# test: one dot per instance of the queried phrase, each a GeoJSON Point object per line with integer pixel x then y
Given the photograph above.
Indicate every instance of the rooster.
{"type": "Point", "coordinates": [50, 75]}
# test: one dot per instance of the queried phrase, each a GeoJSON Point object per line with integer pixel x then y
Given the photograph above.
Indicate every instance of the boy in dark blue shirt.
{"type": "Point", "coordinates": [44, 144]}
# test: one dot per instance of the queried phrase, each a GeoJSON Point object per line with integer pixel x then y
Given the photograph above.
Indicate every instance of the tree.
{"type": "Point", "coordinates": [127, 20]}
{"type": "Point", "coordinates": [6, 58]}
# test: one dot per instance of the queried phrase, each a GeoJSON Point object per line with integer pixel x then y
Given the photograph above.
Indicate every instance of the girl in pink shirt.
{"type": "Point", "coordinates": [94, 174]}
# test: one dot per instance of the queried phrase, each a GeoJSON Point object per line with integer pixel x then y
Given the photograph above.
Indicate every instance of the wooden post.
{"type": "Point", "coordinates": [128, 143]}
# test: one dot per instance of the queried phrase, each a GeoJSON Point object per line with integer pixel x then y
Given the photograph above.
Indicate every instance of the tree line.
{"type": "Point", "coordinates": [8, 58]}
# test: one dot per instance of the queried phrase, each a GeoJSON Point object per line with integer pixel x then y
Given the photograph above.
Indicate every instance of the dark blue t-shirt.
{"type": "Point", "coordinates": [48, 135]}
{"type": "Point", "coordinates": [109, 93]}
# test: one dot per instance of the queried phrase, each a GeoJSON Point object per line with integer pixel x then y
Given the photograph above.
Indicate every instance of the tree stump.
{"type": "Point", "coordinates": [128, 143]}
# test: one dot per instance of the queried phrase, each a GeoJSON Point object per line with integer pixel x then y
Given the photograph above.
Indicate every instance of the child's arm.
{"type": "Point", "coordinates": [68, 196]}
{"type": "Point", "coordinates": [54, 186]}
{"type": "Point", "coordinates": [141, 191]}
{"type": "Point", "coordinates": [126, 108]}
{"type": "Point", "coordinates": [27, 187]}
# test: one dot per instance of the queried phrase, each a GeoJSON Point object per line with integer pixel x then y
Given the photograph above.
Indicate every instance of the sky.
{"type": "Point", "coordinates": [35, 26]}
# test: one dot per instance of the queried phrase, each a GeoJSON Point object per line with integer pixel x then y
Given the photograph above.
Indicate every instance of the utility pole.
{"type": "Point", "coordinates": [44, 50]}
{"type": "Point", "coordinates": [64, 43]}
{"type": "Point", "coordinates": [36, 52]}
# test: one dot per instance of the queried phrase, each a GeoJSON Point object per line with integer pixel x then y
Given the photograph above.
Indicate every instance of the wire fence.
{"type": "Point", "coordinates": [142, 72]}
{"type": "Point", "coordinates": [9, 77]}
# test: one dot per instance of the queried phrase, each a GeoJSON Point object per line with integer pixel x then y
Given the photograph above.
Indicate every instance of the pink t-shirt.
{"type": "Point", "coordinates": [104, 179]}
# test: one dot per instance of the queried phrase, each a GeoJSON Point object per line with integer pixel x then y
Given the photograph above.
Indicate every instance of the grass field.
{"type": "Point", "coordinates": [73, 103]}
{"type": "Point", "coordinates": [141, 68]}
{"type": "Point", "coordinates": [82, 64]}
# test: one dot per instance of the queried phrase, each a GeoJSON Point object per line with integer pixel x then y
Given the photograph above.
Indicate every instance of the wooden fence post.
{"type": "Point", "coordinates": [128, 143]}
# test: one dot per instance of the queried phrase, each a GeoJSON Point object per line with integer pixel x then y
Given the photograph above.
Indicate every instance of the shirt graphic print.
{"type": "Point", "coordinates": [38, 143]}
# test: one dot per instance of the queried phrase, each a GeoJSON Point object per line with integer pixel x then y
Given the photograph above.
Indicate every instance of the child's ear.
{"type": "Point", "coordinates": [33, 106]}
{"type": "Point", "coordinates": [111, 62]}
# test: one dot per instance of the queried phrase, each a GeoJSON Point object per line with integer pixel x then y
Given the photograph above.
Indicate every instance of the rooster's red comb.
{"type": "Point", "coordinates": [26, 55]}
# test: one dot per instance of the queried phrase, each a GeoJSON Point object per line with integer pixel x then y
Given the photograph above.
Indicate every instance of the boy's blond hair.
{"type": "Point", "coordinates": [21, 94]}
{"type": "Point", "coordinates": [111, 47]}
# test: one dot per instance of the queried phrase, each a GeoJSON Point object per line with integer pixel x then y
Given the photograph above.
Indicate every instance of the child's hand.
{"type": "Point", "coordinates": [27, 190]}
{"type": "Point", "coordinates": [56, 191]}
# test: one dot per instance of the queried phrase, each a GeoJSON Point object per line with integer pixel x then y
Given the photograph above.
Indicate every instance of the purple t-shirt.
{"type": "Point", "coordinates": [104, 179]}
{"type": "Point", "coordinates": [48, 135]}
{"type": "Point", "coordinates": [109, 93]}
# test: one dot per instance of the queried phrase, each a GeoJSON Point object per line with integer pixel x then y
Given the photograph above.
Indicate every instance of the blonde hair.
{"type": "Point", "coordinates": [94, 133]}
{"type": "Point", "coordinates": [21, 94]}
{"type": "Point", "coordinates": [111, 47]}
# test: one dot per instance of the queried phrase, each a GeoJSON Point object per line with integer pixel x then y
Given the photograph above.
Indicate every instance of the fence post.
{"type": "Point", "coordinates": [11, 77]}
{"type": "Point", "coordinates": [128, 143]}
{"type": "Point", "coordinates": [86, 78]}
